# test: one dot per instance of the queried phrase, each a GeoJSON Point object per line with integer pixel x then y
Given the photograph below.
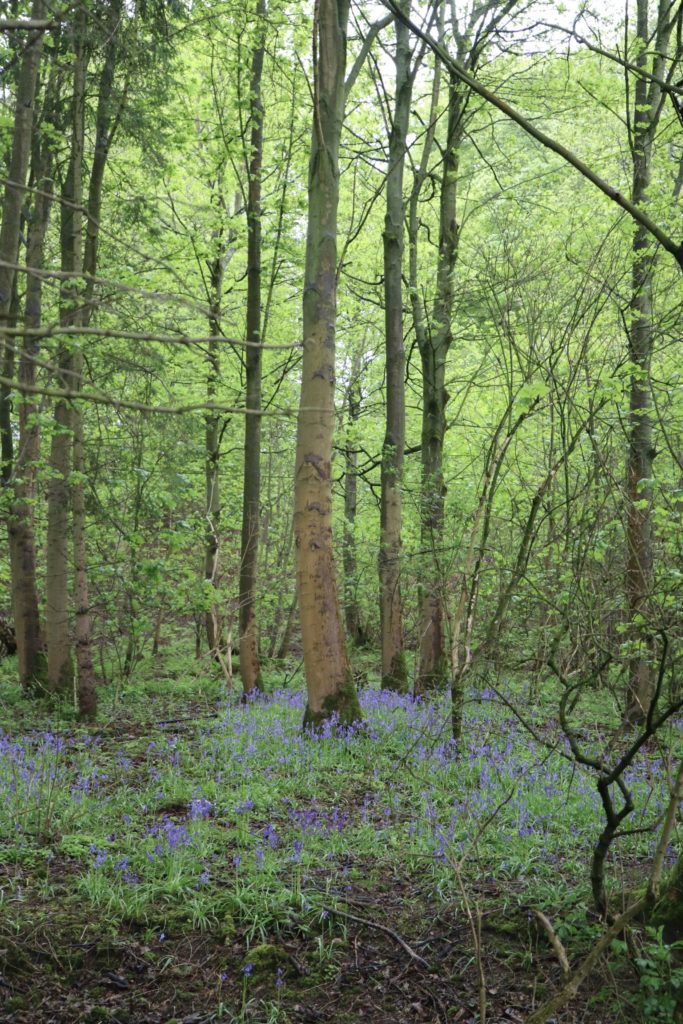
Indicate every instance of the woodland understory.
{"type": "Point", "coordinates": [341, 425]}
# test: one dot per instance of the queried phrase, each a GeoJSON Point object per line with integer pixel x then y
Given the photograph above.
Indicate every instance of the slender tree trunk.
{"type": "Point", "coordinates": [85, 255]}
{"type": "Point", "coordinates": [416, 299]}
{"type": "Point", "coordinates": [13, 198]}
{"type": "Point", "coordinates": [394, 670]}
{"type": "Point", "coordinates": [285, 643]}
{"type": "Point", "coordinates": [25, 612]}
{"type": "Point", "coordinates": [434, 347]}
{"type": "Point", "coordinates": [281, 612]}
{"type": "Point", "coordinates": [21, 535]}
{"type": "Point", "coordinates": [668, 911]}
{"type": "Point", "coordinates": [433, 667]}
{"type": "Point", "coordinates": [87, 694]}
{"type": "Point", "coordinates": [59, 667]}
{"type": "Point", "coordinates": [250, 667]}
{"type": "Point", "coordinates": [106, 123]}
{"type": "Point", "coordinates": [329, 679]}
{"type": "Point", "coordinates": [68, 438]}
{"type": "Point", "coordinates": [59, 653]}
{"type": "Point", "coordinates": [639, 539]}
{"type": "Point", "coordinates": [212, 440]}
{"type": "Point", "coordinates": [212, 443]}
{"type": "Point", "coordinates": [639, 563]}
{"type": "Point", "coordinates": [352, 617]}
{"type": "Point", "coordinates": [6, 432]}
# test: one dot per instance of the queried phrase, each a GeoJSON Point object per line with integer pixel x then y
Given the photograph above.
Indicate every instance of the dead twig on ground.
{"type": "Point", "coordinates": [555, 942]}
{"type": "Point", "coordinates": [382, 928]}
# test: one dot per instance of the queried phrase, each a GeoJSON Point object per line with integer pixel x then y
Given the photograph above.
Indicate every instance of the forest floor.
{"type": "Point", "coordinates": [194, 859]}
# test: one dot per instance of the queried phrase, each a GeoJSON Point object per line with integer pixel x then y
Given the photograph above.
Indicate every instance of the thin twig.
{"type": "Point", "coordinates": [382, 928]}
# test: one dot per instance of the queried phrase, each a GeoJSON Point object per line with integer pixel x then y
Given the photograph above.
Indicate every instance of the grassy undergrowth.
{"type": "Point", "coordinates": [221, 818]}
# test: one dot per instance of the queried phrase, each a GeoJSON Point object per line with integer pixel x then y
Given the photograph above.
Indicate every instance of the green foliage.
{"type": "Point", "coordinates": [661, 978]}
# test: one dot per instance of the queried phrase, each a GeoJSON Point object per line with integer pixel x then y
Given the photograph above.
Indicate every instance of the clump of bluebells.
{"type": "Point", "coordinates": [250, 811]}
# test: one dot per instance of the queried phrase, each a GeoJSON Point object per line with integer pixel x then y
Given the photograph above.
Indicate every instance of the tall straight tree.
{"type": "Point", "coordinates": [434, 341]}
{"type": "Point", "coordinates": [79, 238]}
{"type": "Point", "coordinates": [106, 122]}
{"type": "Point", "coordinates": [653, 42]}
{"type": "Point", "coordinates": [13, 199]}
{"type": "Point", "coordinates": [394, 671]}
{"type": "Point", "coordinates": [250, 668]}
{"type": "Point", "coordinates": [59, 652]}
{"type": "Point", "coordinates": [212, 441]}
{"type": "Point", "coordinates": [434, 347]}
{"type": "Point", "coordinates": [434, 334]}
{"type": "Point", "coordinates": [328, 672]}
{"type": "Point", "coordinates": [353, 402]}
{"type": "Point", "coordinates": [21, 527]}
{"type": "Point", "coordinates": [21, 544]}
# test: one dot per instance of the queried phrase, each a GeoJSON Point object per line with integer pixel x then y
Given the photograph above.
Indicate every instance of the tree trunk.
{"type": "Point", "coordinates": [394, 670]}
{"type": "Point", "coordinates": [352, 618]}
{"type": "Point", "coordinates": [283, 649]}
{"type": "Point", "coordinates": [22, 551]}
{"type": "Point", "coordinates": [329, 680]}
{"type": "Point", "coordinates": [59, 666]}
{"type": "Point", "coordinates": [6, 432]}
{"type": "Point", "coordinates": [85, 255]}
{"type": "Point", "coordinates": [668, 912]}
{"type": "Point", "coordinates": [87, 694]}
{"type": "Point", "coordinates": [250, 667]}
{"type": "Point", "coordinates": [639, 542]}
{"type": "Point", "coordinates": [212, 442]}
{"type": "Point", "coordinates": [434, 347]}
{"type": "Point", "coordinates": [13, 198]}
{"type": "Point", "coordinates": [68, 442]}
{"type": "Point", "coordinates": [21, 536]}
{"type": "Point", "coordinates": [59, 653]}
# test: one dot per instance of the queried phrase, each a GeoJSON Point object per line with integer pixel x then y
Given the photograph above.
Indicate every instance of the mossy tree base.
{"type": "Point", "coordinates": [342, 706]}
{"type": "Point", "coordinates": [397, 678]}
{"type": "Point", "coordinates": [36, 685]}
{"type": "Point", "coordinates": [457, 706]}
{"type": "Point", "coordinates": [668, 911]}
{"type": "Point", "coordinates": [64, 685]}
{"type": "Point", "coordinates": [435, 681]}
